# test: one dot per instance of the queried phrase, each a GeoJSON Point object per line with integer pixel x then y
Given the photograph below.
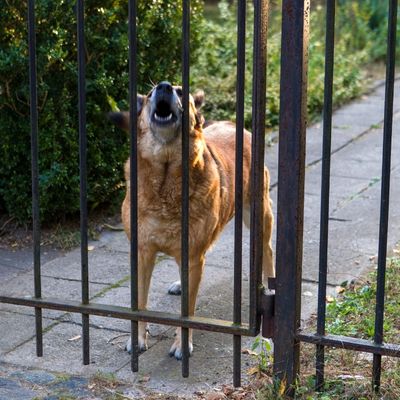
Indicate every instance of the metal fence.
{"type": "Point", "coordinates": [292, 134]}
{"type": "Point", "coordinates": [295, 17]}
{"type": "Point", "coordinates": [237, 327]}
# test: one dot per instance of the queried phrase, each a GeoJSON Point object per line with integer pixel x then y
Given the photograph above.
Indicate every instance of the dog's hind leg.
{"type": "Point", "coordinates": [268, 256]}
{"type": "Point", "coordinates": [146, 260]}
{"type": "Point", "coordinates": [196, 269]}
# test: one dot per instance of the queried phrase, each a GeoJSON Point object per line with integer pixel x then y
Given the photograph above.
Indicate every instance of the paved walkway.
{"type": "Point", "coordinates": [356, 163]}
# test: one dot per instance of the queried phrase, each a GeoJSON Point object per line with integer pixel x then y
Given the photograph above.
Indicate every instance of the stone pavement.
{"type": "Point", "coordinates": [354, 219]}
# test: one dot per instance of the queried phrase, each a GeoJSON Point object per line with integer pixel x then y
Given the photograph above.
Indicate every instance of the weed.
{"type": "Point", "coordinates": [262, 351]}
{"type": "Point", "coordinates": [375, 126]}
{"type": "Point", "coordinates": [115, 285]}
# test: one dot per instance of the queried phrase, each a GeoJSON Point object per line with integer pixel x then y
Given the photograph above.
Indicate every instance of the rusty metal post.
{"type": "Point", "coordinates": [292, 135]}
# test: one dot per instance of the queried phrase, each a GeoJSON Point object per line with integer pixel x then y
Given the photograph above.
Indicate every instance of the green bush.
{"type": "Point", "coordinates": [360, 39]}
{"type": "Point", "coordinates": [159, 38]}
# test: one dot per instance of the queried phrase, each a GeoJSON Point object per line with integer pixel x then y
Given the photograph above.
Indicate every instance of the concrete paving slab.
{"type": "Point", "coordinates": [210, 364]}
{"type": "Point", "coordinates": [51, 287]}
{"type": "Point", "coordinates": [353, 237]}
{"type": "Point", "coordinates": [16, 329]}
{"type": "Point", "coordinates": [62, 352]}
{"type": "Point", "coordinates": [113, 241]}
{"type": "Point", "coordinates": [215, 299]}
{"type": "Point", "coordinates": [105, 267]}
{"type": "Point", "coordinates": [14, 262]}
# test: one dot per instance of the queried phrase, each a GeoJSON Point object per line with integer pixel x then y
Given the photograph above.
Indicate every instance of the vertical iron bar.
{"type": "Point", "coordinates": [292, 135]}
{"type": "Point", "coordinates": [83, 174]}
{"type": "Point", "coordinates": [237, 284]}
{"type": "Point", "coordinates": [185, 183]}
{"type": "Point", "coordinates": [35, 173]}
{"type": "Point", "coordinates": [257, 158]}
{"type": "Point", "coordinates": [325, 187]}
{"type": "Point", "coordinates": [385, 189]}
{"type": "Point", "coordinates": [133, 179]}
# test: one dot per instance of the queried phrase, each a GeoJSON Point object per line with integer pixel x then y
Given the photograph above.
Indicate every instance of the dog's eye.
{"type": "Point", "coordinates": [179, 92]}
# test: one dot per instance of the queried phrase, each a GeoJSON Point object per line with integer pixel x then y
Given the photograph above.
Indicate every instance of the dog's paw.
{"type": "Point", "coordinates": [142, 344]}
{"type": "Point", "coordinates": [176, 349]}
{"type": "Point", "coordinates": [175, 288]}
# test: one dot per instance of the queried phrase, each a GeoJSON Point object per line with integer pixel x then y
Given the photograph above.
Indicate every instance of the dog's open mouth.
{"type": "Point", "coordinates": [163, 114]}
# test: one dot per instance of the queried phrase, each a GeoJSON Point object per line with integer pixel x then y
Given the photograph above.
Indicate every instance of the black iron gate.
{"type": "Point", "coordinates": [295, 22]}
{"type": "Point", "coordinates": [295, 15]}
{"type": "Point", "coordinates": [237, 328]}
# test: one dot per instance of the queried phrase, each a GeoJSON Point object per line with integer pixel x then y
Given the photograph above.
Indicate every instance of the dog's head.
{"type": "Point", "coordinates": [160, 112]}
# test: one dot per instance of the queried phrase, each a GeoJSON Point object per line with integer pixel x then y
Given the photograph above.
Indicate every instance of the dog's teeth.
{"type": "Point", "coordinates": [163, 119]}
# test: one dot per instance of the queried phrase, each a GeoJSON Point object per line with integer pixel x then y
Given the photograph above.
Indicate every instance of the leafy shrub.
{"type": "Point", "coordinates": [360, 38]}
{"type": "Point", "coordinates": [159, 42]}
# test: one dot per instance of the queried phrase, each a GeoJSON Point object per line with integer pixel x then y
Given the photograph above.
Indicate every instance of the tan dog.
{"type": "Point", "coordinates": [212, 188]}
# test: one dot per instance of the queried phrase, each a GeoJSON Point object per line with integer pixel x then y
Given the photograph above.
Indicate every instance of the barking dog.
{"type": "Point", "coordinates": [211, 190]}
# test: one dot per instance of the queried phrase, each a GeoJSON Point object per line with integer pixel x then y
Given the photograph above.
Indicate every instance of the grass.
{"type": "Point", "coordinates": [352, 313]}
{"type": "Point", "coordinates": [348, 373]}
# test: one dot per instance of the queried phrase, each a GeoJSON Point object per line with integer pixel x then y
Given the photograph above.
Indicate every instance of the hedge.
{"type": "Point", "coordinates": [159, 54]}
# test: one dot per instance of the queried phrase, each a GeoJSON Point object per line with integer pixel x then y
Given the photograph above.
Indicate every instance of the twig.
{"type": "Point", "coordinates": [6, 223]}
{"type": "Point", "coordinates": [113, 228]}
{"type": "Point", "coordinates": [118, 336]}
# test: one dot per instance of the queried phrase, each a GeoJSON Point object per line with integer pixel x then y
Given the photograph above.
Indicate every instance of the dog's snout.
{"type": "Point", "coordinates": [164, 88]}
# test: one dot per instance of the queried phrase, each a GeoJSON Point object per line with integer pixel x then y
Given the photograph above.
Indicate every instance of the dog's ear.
{"type": "Point", "coordinates": [198, 99]}
{"type": "Point", "coordinates": [139, 102]}
{"type": "Point", "coordinates": [121, 119]}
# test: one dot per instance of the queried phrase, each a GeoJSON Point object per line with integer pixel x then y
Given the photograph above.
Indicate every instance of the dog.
{"type": "Point", "coordinates": [211, 191]}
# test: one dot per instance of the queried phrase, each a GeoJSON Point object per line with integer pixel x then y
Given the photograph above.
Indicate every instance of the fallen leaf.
{"type": "Point", "coordinates": [215, 396]}
{"type": "Point", "coordinates": [77, 337]}
{"type": "Point", "coordinates": [340, 289]}
{"type": "Point", "coordinates": [90, 248]}
{"type": "Point", "coordinates": [227, 390]}
{"type": "Point", "coordinates": [253, 371]}
{"type": "Point", "coordinates": [282, 387]}
{"type": "Point", "coordinates": [329, 299]}
{"type": "Point", "coordinates": [238, 395]}
{"type": "Point", "coordinates": [248, 351]}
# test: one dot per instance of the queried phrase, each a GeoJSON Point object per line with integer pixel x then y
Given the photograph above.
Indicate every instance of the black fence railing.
{"type": "Point", "coordinates": [237, 328]}
{"type": "Point", "coordinates": [291, 197]}
{"type": "Point", "coordinates": [292, 136]}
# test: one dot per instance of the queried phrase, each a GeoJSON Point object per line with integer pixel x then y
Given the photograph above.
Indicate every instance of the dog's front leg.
{"type": "Point", "coordinates": [146, 260]}
{"type": "Point", "coordinates": [196, 267]}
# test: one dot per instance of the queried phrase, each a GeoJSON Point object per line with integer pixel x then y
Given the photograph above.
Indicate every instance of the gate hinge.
{"type": "Point", "coordinates": [268, 309]}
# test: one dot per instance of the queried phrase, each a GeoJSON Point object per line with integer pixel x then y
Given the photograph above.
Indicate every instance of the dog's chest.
{"type": "Point", "coordinates": [160, 190]}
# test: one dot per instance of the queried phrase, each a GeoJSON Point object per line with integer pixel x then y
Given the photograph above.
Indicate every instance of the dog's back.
{"type": "Point", "coordinates": [221, 139]}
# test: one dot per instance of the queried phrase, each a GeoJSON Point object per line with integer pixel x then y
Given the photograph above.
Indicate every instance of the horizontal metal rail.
{"type": "Point", "coordinates": [105, 310]}
{"type": "Point", "coordinates": [349, 343]}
